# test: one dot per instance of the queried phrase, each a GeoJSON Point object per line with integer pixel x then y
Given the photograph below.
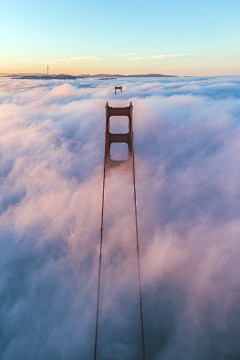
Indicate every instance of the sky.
{"type": "Point", "coordinates": [177, 37]}
{"type": "Point", "coordinates": [187, 144]}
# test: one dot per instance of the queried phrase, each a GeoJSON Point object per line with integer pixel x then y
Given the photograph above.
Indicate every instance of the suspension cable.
{"type": "Point", "coordinates": [100, 260]}
{"type": "Point", "coordinates": [137, 244]}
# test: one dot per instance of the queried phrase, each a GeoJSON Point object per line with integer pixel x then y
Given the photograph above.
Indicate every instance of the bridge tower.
{"type": "Point", "coordinates": [111, 138]}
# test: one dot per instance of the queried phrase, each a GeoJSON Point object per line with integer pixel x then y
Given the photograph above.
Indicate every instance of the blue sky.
{"type": "Point", "coordinates": [172, 37]}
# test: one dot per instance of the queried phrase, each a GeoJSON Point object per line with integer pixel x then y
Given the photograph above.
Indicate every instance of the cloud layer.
{"type": "Point", "coordinates": [187, 144]}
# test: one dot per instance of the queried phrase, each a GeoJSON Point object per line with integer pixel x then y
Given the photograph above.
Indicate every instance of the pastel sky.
{"type": "Point", "coordinates": [179, 37]}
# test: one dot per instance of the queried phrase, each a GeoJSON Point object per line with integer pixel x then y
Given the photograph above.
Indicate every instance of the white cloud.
{"type": "Point", "coordinates": [186, 139]}
{"type": "Point", "coordinates": [80, 59]}
{"type": "Point", "coordinates": [161, 56]}
{"type": "Point", "coordinates": [27, 60]}
{"type": "Point", "coordinates": [126, 54]}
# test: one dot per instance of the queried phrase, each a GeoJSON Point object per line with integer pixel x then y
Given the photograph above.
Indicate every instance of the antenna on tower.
{"type": "Point", "coordinates": [47, 70]}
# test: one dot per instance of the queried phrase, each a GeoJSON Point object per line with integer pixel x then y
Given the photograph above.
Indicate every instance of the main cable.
{"type": "Point", "coordinates": [136, 225]}
{"type": "Point", "coordinates": [100, 257]}
{"type": "Point", "coordinates": [137, 243]}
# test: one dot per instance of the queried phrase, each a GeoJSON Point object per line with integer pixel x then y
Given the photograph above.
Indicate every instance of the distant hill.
{"type": "Point", "coordinates": [21, 74]}
{"type": "Point", "coordinates": [123, 76]}
{"type": "Point", "coordinates": [82, 76]}
{"type": "Point", "coordinates": [48, 77]}
{"type": "Point", "coordinates": [152, 75]}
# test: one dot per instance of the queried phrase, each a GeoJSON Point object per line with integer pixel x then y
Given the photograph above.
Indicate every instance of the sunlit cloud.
{"type": "Point", "coordinates": [92, 61]}
{"type": "Point", "coordinates": [186, 142]}
{"type": "Point", "coordinates": [76, 60]}
{"type": "Point", "coordinates": [160, 57]}
{"type": "Point", "coordinates": [126, 54]}
{"type": "Point", "coordinates": [27, 60]}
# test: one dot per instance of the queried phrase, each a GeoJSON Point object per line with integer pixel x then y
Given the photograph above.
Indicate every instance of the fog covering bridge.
{"type": "Point", "coordinates": [112, 165]}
